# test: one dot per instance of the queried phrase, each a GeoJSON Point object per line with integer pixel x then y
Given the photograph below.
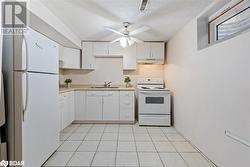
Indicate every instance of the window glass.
{"type": "Point", "coordinates": [234, 24]}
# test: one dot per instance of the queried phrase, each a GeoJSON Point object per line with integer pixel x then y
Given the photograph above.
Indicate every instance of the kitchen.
{"type": "Point", "coordinates": [131, 83]}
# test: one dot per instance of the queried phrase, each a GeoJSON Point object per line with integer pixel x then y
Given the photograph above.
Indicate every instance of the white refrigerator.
{"type": "Point", "coordinates": [30, 68]}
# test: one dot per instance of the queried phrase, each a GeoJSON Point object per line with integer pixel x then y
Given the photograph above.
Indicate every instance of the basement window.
{"type": "Point", "coordinates": [229, 21]}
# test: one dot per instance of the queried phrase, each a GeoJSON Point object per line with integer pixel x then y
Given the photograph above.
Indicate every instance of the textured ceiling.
{"type": "Point", "coordinates": [87, 18]}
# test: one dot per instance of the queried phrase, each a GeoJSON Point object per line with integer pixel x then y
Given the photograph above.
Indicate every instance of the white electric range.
{"type": "Point", "coordinates": [153, 102]}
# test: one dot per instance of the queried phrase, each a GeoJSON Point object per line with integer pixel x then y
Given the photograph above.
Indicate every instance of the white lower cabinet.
{"type": "Point", "coordinates": [67, 109]}
{"type": "Point", "coordinates": [111, 106]}
{"type": "Point", "coordinates": [127, 106]}
{"type": "Point", "coordinates": [80, 105]}
{"type": "Point", "coordinates": [94, 106]}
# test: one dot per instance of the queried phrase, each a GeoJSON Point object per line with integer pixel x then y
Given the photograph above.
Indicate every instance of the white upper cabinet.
{"type": "Point", "coordinates": [100, 48]}
{"type": "Point", "coordinates": [107, 49]}
{"type": "Point", "coordinates": [157, 50]}
{"type": "Point", "coordinates": [69, 58]}
{"type": "Point", "coordinates": [115, 49]}
{"type": "Point", "coordinates": [129, 57]}
{"type": "Point", "coordinates": [88, 59]}
{"type": "Point", "coordinates": [143, 51]}
{"type": "Point", "coordinates": [150, 52]}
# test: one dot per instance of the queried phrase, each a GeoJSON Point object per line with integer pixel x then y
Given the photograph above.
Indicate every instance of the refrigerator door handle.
{"type": "Point", "coordinates": [25, 94]}
{"type": "Point", "coordinates": [25, 53]}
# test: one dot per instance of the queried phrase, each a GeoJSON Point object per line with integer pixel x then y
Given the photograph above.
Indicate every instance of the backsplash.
{"type": "Point", "coordinates": [108, 71]}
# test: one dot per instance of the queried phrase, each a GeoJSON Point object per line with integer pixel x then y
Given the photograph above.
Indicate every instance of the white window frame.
{"type": "Point", "coordinates": [214, 20]}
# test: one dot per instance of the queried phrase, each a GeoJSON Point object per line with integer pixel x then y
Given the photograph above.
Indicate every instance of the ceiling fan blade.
{"type": "Point", "coordinates": [116, 40]}
{"type": "Point", "coordinates": [140, 30]}
{"type": "Point", "coordinates": [136, 40]}
{"type": "Point", "coordinates": [113, 30]}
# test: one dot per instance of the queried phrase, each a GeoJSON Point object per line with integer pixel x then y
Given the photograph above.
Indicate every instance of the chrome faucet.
{"type": "Point", "coordinates": [107, 85]}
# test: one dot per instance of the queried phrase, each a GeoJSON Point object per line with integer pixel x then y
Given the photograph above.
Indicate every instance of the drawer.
{"type": "Point", "coordinates": [111, 93]}
{"type": "Point", "coordinates": [159, 120]}
{"type": "Point", "coordinates": [127, 97]}
{"type": "Point", "coordinates": [62, 96]}
{"type": "Point", "coordinates": [127, 94]}
{"type": "Point", "coordinates": [95, 93]}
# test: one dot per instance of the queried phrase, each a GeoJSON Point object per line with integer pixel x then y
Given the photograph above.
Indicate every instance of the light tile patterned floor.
{"type": "Point", "coordinates": [123, 146]}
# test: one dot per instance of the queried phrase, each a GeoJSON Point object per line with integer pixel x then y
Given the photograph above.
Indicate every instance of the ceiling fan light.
{"type": "Point", "coordinates": [130, 42]}
{"type": "Point", "coordinates": [123, 42]}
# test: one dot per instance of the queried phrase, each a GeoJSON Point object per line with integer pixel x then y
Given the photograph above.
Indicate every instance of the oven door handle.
{"type": "Point", "coordinates": [155, 93]}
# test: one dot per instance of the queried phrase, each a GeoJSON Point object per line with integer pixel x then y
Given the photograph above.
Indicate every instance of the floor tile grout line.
{"type": "Point", "coordinates": [97, 147]}
{"type": "Point", "coordinates": [156, 148]}
{"type": "Point", "coordinates": [176, 150]}
{"type": "Point", "coordinates": [197, 150]}
{"type": "Point", "coordinates": [61, 142]}
{"type": "Point", "coordinates": [136, 148]}
{"type": "Point", "coordinates": [78, 146]}
{"type": "Point", "coordinates": [134, 141]}
{"type": "Point", "coordinates": [117, 144]}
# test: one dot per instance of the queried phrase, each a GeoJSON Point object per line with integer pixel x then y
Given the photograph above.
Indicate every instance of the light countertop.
{"type": "Point", "coordinates": [62, 88]}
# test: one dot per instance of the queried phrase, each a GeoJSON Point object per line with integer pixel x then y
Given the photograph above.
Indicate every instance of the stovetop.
{"type": "Point", "coordinates": [145, 88]}
{"type": "Point", "coordinates": [151, 84]}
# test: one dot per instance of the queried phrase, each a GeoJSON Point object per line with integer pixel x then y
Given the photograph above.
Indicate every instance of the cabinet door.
{"type": "Point", "coordinates": [127, 106]}
{"type": "Point", "coordinates": [64, 109]}
{"type": "Point", "coordinates": [111, 106]}
{"type": "Point", "coordinates": [157, 50]}
{"type": "Point", "coordinates": [143, 51]}
{"type": "Point", "coordinates": [100, 48]}
{"type": "Point", "coordinates": [88, 59]}
{"type": "Point", "coordinates": [80, 99]}
{"type": "Point", "coordinates": [71, 108]}
{"type": "Point", "coordinates": [93, 107]}
{"type": "Point", "coordinates": [115, 49]}
{"type": "Point", "coordinates": [70, 58]}
{"type": "Point", "coordinates": [61, 108]}
{"type": "Point", "coordinates": [129, 57]}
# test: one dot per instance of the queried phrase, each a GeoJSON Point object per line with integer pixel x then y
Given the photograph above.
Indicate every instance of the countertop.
{"type": "Point", "coordinates": [62, 89]}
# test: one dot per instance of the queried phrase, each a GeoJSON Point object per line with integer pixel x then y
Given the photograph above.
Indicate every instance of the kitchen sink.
{"type": "Point", "coordinates": [104, 87]}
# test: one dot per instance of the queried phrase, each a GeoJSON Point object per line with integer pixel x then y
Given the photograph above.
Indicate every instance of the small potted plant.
{"type": "Point", "coordinates": [127, 80]}
{"type": "Point", "coordinates": [68, 82]}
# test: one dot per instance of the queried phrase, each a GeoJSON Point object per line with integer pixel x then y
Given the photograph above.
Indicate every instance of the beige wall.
{"type": "Point", "coordinates": [116, 75]}
{"type": "Point", "coordinates": [211, 90]}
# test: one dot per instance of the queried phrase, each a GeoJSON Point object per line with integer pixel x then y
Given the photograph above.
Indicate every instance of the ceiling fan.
{"type": "Point", "coordinates": [127, 36]}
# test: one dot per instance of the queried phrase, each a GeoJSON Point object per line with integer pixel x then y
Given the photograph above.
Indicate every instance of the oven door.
{"type": "Point", "coordinates": [154, 102]}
